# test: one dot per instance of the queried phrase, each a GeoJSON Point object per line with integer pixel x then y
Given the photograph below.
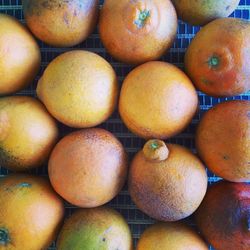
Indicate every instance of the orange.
{"type": "Point", "coordinates": [27, 133]}
{"type": "Point", "coordinates": [31, 213]}
{"type": "Point", "coordinates": [170, 236]}
{"type": "Point", "coordinates": [166, 181]}
{"type": "Point", "coordinates": [61, 23]}
{"type": "Point", "coordinates": [79, 88]}
{"type": "Point", "coordinates": [224, 217]}
{"type": "Point", "coordinates": [218, 57]}
{"type": "Point", "coordinates": [222, 140]}
{"type": "Point", "coordinates": [99, 228]}
{"type": "Point", "coordinates": [20, 56]}
{"type": "Point", "coordinates": [137, 31]}
{"type": "Point", "coordinates": [200, 12]}
{"type": "Point", "coordinates": [88, 168]}
{"type": "Point", "coordinates": [157, 100]}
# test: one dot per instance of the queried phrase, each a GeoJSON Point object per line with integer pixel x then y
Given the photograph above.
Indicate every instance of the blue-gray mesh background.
{"type": "Point", "coordinates": [122, 203]}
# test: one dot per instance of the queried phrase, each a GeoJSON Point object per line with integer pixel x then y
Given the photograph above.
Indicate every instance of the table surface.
{"type": "Point", "coordinates": [122, 203]}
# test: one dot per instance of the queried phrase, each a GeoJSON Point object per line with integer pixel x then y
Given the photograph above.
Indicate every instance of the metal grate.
{"type": "Point", "coordinates": [136, 219]}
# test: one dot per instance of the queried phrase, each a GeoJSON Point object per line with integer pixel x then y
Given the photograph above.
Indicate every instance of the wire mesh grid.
{"type": "Point", "coordinates": [122, 203]}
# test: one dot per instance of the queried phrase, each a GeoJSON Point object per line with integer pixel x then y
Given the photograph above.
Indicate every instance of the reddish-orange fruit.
{"type": "Point", "coordinates": [137, 31]}
{"type": "Point", "coordinates": [167, 182]}
{"type": "Point", "coordinates": [217, 60]}
{"type": "Point", "coordinates": [223, 140]}
{"type": "Point", "coordinates": [170, 236]}
{"type": "Point", "coordinates": [157, 100]}
{"type": "Point", "coordinates": [88, 168]}
{"type": "Point", "coordinates": [99, 228]}
{"type": "Point", "coordinates": [27, 133]}
{"type": "Point", "coordinates": [224, 216]}
{"type": "Point", "coordinates": [31, 213]}
{"type": "Point", "coordinates": [20, 56]}
{"type": "Point", "coordinates": [61, 23]}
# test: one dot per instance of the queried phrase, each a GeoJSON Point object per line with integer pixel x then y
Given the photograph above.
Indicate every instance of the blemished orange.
{"type": "Point", "coordinates": [61, 23]}
{"type": "Point", "coordinates": [170, 236]}
{"type": "Point", "coordinates": [157, 100]}
{"type": "Point", "coordinates": [137, 31]}
{"type": "Point", "coordinates": [223, 140]}
{"type": "Point", "coordinates": [31, 213]}
{"type": "Point", "coordinates": [167, 181]}
{"type": "Point", "coordinates": [20, 56]}
{"type": "Point", "coordinates": [79, 88]}
{"type": "Point", "coordinates": [218, 57]}
{"type": "Point", "coordinates": [28, 133]}
{"type": "Point", "coordinates": [88, 167]}
{"type": "Point", "coordinates": [224, 218]}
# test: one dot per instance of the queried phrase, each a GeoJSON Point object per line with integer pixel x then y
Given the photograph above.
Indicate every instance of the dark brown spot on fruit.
{"type": "Point", "coordinates": [226, 157]}
{"type": "Point", "coordinates": [6, 158]}
{"type": "Point", "coordinates": [206, 81]}
{"type": "Point", "coordinates": [4, 237]}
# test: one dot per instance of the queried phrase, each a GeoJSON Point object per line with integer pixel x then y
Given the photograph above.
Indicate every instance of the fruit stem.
{"type": "Point", "coordinates": [214, 61]}
{"type": "Point", "coordinates": [4, 236]}
{"type": "Point", "coordinates": [143, 16]}
{"type": "Point", "coordinates": [155, 150]}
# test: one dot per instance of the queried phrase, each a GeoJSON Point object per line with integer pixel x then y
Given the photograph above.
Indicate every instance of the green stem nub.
{"type": "Point", "coordinates": [155, 150]}
{"type": "Point", "coordinates": [154, 145]}
{"type": "Point", "coordinates": [4, 237]}
{"type": "Point", "coordinates": [214, 61]}
{"type": "Point", "coordinates": [143, 16]}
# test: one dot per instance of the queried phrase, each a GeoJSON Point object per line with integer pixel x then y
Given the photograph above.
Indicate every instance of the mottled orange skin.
{"type": "Point", "coordinates": [127, 40]}
{"type": "Point", "coordinates": [20, 56]}
{"type": "Point", "coordinates": [157, 100]}
{"type": "Point", "coordinates": [31, 213]}
{"type": "Point", "coordinates": [170, 236]}
{"type": "Point", "coordinates": [227, 40]}
{"type": "Point", "coordinates": [99, 228]}
{"type": "Point", "coordinates": [222, 140]}
{"type": "Point", "coordinates": [88, 168]}
{"type": "Point", "coordinates": [27, 133]}
{"type": "Point", "coordinates": [79, 88]}
{"type": "Point", "coordinates": [224, 216]}
{"type": "Point", "coordinates": [171, 189]}
{"type": "Point", "coordinates": [201, 12]}
{"type": "Point", "coordinates": [61, 23]}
